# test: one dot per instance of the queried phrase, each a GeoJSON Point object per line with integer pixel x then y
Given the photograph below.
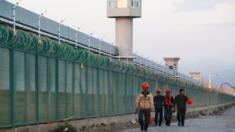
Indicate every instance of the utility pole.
{"type": "Point", "coordinates": [210, 80]}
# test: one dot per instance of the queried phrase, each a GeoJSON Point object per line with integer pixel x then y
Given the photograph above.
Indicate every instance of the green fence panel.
{"type": "Point", "coordinates": [106, 92]}
{"type": "Point", "coordinates": [62, 90]}
{"type": "Point", "coordinates": [5, 92]}
{"type": "Point", "coordinates": [21, 99]}
{"type": "Point", "coordinates": [44, 82]}
{"type": "Point", "coordinates": [51, 86]}
{"type": "Point", "coordinates": [43, 90]}
{"type": "Point", "coordinates": [83, 98]}
{"type": "Point", "coordinates": [89, 90]}
{"type": "Point", "coordinates": [101, 92]}
{"type": "Point", "coordinates": [69, 90]}
{"type": "Point", "coordinates": [30, 88]}
{"type": "Point", "coordinates": [77, 90]}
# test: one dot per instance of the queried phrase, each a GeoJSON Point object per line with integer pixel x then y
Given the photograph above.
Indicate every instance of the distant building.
{"type": "Point", "coordinates": [196, 76]}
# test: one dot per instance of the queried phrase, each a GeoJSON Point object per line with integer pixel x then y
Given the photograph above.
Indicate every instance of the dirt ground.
{"type": "Point", "coordinates": [110, 128]}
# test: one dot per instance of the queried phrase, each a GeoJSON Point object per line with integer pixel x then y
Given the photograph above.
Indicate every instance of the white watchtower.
{"type": "Point", "coordinates": [124, 11]}
{"type": "Point", "coordinates": [172, 62]}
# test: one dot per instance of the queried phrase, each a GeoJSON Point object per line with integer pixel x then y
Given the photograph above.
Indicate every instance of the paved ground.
{"type": "Point", "coordinates": [224, 123]}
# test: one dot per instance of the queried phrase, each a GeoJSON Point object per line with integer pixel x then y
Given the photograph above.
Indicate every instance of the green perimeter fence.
{"type": "Point", "coordinates": [42, 81]}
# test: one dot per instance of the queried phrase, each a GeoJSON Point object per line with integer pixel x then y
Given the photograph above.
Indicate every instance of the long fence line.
{"type": "Point", "coordinates": [19, 17]}
{"type": "Point", "coordinates": [42, 81]}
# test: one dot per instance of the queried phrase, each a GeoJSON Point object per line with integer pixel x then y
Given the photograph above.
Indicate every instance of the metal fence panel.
{"type": "Point", "coordinates": [43, 82]}
{"type": "Point", "coordinates": [5, 92]}
{"type": "Point", "coordinates": [30, 88]}
{"type": "Point", "coordinates": [20, 102]}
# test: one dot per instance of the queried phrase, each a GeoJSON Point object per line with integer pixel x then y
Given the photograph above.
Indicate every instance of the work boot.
{"type": "Point", "coordinates": [182, 124]}
{"type": "Point", "coordinates": [167, 124]}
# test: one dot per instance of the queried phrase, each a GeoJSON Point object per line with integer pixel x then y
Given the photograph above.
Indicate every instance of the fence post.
{"type": "Point", "coordinates": [98, 91]}
{"type": "Point", "coordinates": [48, 90]}
{"type": "Point", "coordinates": [12, 87]}
{"type": "Point", "coordinates": [66, 89]}
{"type": "Point", "coordinates": [73, 89]}
{"type": "Point", "coordinates": [86, 91]}
{"type": "Point", "coordinates": [27, 88]}
{"type": "Point", "coordinates": [57, 88]}
{"type": "Point", "coordinates": [36, 88]}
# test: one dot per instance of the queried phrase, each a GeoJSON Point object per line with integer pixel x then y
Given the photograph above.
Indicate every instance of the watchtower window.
{"type": "Point", "coordinates": [122, 3]}
{"type": "Point", "coordinates": [112, 3]}
{"type": "Point", "coordinates": [134, 3]}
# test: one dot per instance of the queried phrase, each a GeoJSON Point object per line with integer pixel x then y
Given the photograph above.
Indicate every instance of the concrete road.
{"type": "Point", "coordinates": [224, 123]}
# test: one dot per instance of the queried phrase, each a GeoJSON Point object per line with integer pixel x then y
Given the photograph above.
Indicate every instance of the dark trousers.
{"type": "Point", "coordinates": [144, 119]}
{"type": "Point", "coordinates": [181, 116]}
{"type": "Point", "coordinates": [158, 116]}
{"type": "Point", "coordinates": [168, 115]}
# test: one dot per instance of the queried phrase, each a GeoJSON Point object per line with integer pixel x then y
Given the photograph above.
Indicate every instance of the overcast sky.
{"type": "Point", "coordinates": [201, 32]}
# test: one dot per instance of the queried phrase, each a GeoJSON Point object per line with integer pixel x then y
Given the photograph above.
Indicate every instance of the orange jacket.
{"type": "Point", "coordinates": [144, 102]}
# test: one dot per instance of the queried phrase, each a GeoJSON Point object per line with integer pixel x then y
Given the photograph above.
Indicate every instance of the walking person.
{"type": "Point", "coordinates": [168, 107]}
{"type": "Point", "coordinates": [158, 104]}
{"type": "Point", "coordinates": [144, 105]}
{"type": "Point", "coordinates": [180, 102]}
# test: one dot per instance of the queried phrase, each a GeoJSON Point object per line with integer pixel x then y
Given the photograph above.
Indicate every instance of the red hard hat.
{"type": "Point", "coordinates": [145, 85]}
{"type": "Point", "coordinates": [168, 90]}
{"type": "Point", "coordinates": [190, 101]}
{"type": "Point", "coordinates": [158, 91]}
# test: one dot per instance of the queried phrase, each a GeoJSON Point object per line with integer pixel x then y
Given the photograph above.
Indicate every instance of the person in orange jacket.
{"type": "Point", "coordinates": [144, 105]}
{"type": "Point", "coordinates": [169, 107]}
